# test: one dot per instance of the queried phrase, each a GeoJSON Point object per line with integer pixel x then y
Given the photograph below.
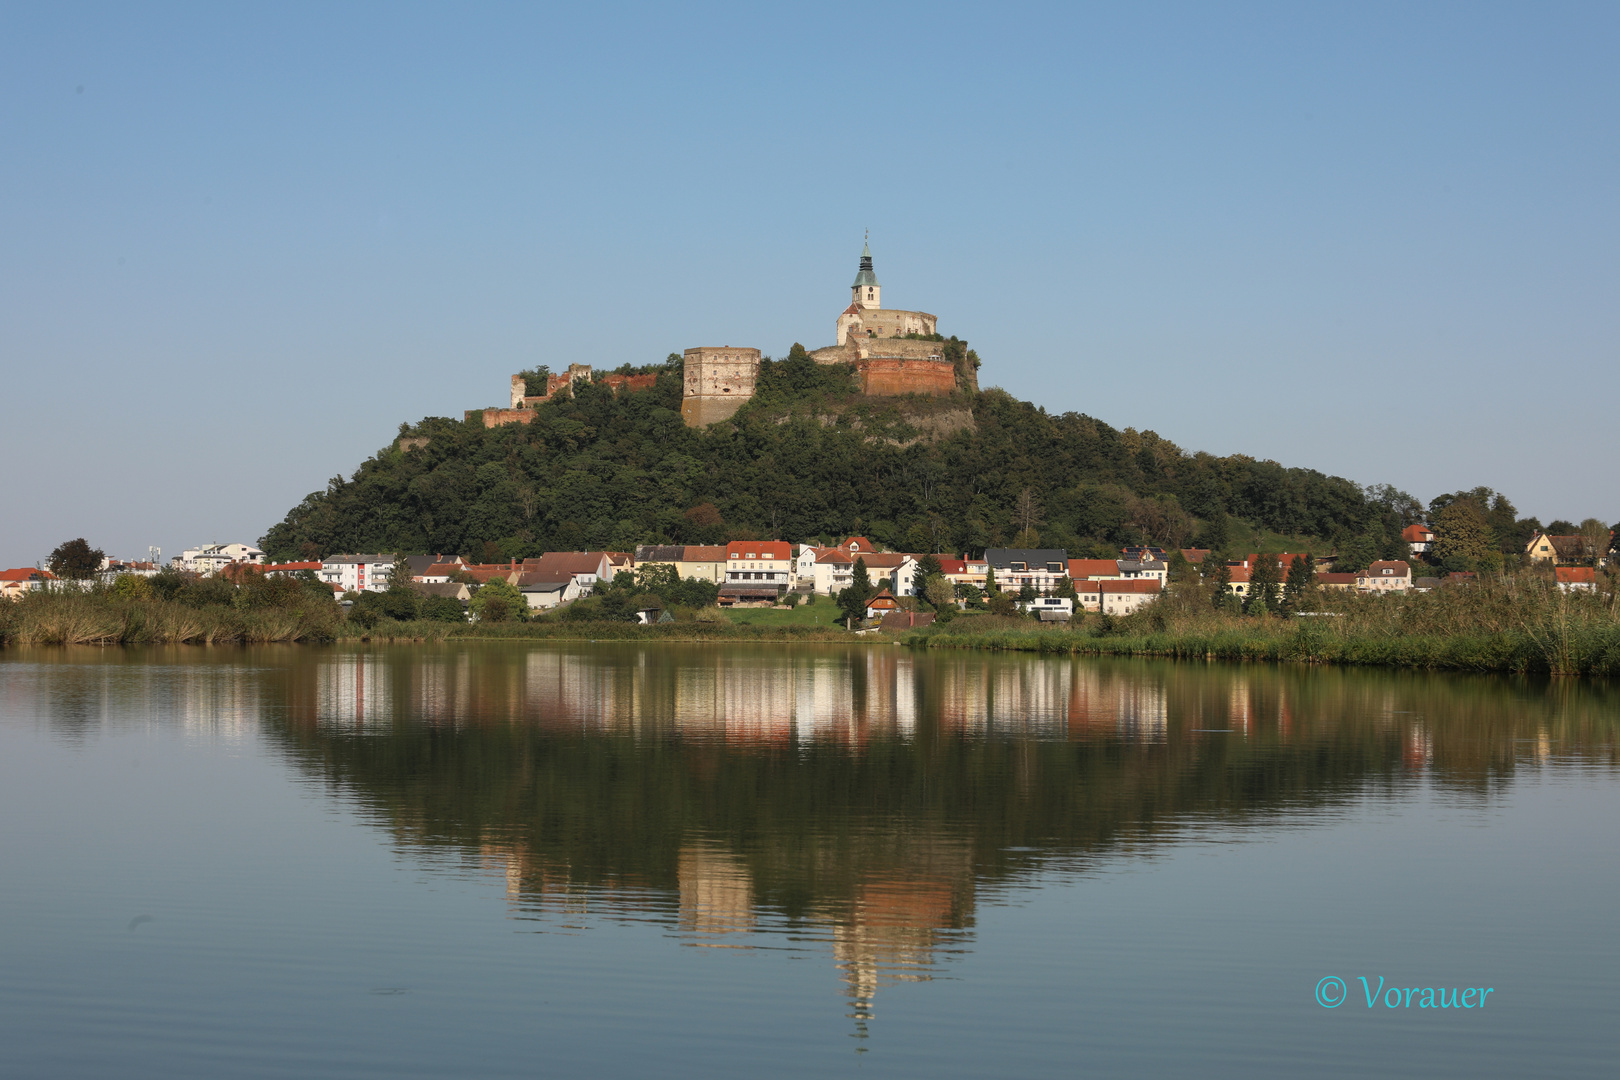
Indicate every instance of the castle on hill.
{"type": "Point", "coordinates": [889, 348]}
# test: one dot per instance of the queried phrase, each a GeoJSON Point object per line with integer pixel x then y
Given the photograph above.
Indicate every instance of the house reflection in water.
{"type": "Point", "coordinates": [859, 801]}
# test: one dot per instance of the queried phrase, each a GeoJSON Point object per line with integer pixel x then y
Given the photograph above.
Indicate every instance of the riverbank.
{"type": "Point", "coordinates": [1590, 652]}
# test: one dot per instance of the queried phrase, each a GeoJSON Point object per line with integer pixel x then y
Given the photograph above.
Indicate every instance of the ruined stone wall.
{"type": "Point", "coordinates": [719, 380]}
{"type": "Point", "coordinates": [631, 382]}
{"type": "Point", "coordinates": [497, 417]}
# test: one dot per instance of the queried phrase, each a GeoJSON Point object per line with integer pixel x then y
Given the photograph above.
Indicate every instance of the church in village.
{"type": "Point", "coordinates": [893, 352]}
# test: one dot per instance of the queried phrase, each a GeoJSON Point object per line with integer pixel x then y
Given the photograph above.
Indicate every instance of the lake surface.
{"type": "Point", "coordinates": [519, 859]}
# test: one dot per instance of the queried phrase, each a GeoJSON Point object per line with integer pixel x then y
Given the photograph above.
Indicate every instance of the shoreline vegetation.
{"type": "Point", "coordinates": [1516, 624]}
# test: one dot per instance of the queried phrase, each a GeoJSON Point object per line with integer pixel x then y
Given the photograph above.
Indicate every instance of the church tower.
{"type": "Point", "coordinates": [866, 292]}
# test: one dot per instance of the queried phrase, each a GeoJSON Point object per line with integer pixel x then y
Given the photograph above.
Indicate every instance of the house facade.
{"type": "Point", "coordinates": [1117, 597]}
{"type": "Point", "coordinates": [1420, 538]}
{"type": "Point", "coordinates": [1385, 576]}
{"type": "Point", "coordinates": [1040, 568]}
{"type": "Point", "coordinates": [357, 573]}
{"type": "Point", "coordinates": [212, 558]}
{"type": "Point", "coordinates": [758, 570]}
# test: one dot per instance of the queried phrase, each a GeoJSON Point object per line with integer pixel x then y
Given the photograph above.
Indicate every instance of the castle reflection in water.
{"type": "Point", "coordinates": [860, 800]}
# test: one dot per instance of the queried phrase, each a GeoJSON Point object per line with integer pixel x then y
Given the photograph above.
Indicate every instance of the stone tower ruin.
{"type": "Point", "coordinates": [719, 379]}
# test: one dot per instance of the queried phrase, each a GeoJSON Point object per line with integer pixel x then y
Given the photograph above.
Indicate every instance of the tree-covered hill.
{"type": "Point", "coordinates": [810, 458]}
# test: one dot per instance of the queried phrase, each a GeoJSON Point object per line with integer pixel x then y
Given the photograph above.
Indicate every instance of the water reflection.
{"type": "Point", "coordinates": [857, 804]}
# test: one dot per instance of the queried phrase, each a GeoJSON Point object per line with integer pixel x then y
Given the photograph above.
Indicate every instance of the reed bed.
{"type": "Point", "coordinates": [98, 618]}
{"type": "Point", "coordinates": [1518, 624]}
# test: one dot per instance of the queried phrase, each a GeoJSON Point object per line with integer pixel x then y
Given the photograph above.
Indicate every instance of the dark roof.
{"type": "Point", "coordinates": [1000, 558]}
{"type": "Point", "coordinates": [660, 553]}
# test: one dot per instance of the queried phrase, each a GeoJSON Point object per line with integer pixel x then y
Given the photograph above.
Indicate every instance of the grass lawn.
{"type": "Point", "coordinates": [821, 613]}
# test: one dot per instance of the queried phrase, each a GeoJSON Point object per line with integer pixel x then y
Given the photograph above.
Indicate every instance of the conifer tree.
{"type": "Point", "coordinates": [1300, 583]}
{"type": "Point", "coordinates": [852, 601]}
{"type": "Point", "coordinates": [1263, 582]}
{"type": "Point", "coordinates": [1221, 576]}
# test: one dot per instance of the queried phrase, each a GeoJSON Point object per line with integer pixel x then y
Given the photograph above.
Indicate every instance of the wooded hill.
{"type": "Point", "coordinates": [810, 459]}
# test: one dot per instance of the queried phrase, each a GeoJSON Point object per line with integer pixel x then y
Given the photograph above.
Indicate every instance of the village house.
{"type": "Point", "coordinates": [454, 590]}
{"type": "Point", "coordinates": [757, 570]}
{"type": "Point", "coordinates": [1420, 538]}
{"type": "Point", "coordinates": [702, 562]}
{"type": "Point", "coordinates": [1140, 569]}
{"type": "Point", "coordinates": [898, 570]}
{"type": "Point", "coordinates": [1094, 570]}
{"type": "Point", "coordinates": [1564, 550]}
{"type": "Point", "coordinates": [971, 572]}
{"type": "Point", "coordinates": [830, 570]}
{"type": "Point", "coordinates": [288, 569]}
{"type": "Point", "coordinates": [113, 569]}
{"type": "Point", "coordinates": [357, 573]}
{"type": "Point", "coordinates": [433, 569]}
{"type": "Point", "coordinates": [1575, 578]}
{"type": "Point", "coordinates": [15, 583]}
{"type": "Point", "coordinates": [881, 604]}
{"type": "Point", "coordinates": [1040, 568]}
{"type": "Point", "coordinates": [1050, 608]}
{"type": "Point", "coordinates": [1346, 582]}
{"type": "Point", "coordinates": [545, 589]}
{"type": "Point", "coordinates": [211, 558]}
{"type": "Point", "coordinates": [1385, 576]}
{"type": "Point", "coordinates": [585, 567]}
{"type": "Point", "coordinates": [1117, 597]}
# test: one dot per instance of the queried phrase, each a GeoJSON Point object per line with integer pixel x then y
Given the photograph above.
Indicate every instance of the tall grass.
{"type": "Point", "coordinates": [104, 619]}
{"type": "Point", "coordinates": [1510, 623]}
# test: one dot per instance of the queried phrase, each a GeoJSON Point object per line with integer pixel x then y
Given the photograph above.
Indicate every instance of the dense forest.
{"type": "Point", "coordinates": [808, 459]}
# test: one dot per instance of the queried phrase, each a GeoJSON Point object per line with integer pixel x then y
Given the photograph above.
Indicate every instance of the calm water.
{"type": "Point", "coordinates": [611, 860]}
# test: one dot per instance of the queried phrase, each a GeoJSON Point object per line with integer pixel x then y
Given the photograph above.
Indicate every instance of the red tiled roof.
{"type": "Point", "coordinates": [1085, 569]}
{"type": "Point", "coordinates": [26, 573]}
{"type": "Point", "coordinates": [704, 553]}
{"type": "Point", "coordinates": [759, 549]}
{"type": "Point", "coordinates": [887, 560]}
{"type": "Point", "coordinates": [865, 544]}
{"type": "Point", "coordinates": [951, 566]}
{"type": "Point", "coordinates": [1417, 534]}
{"type": "Point", "coordinates": [1195, 555]}
{"type": "Point", "coordinates": [1397, 565]}
{"type": "Point", "coordinates": [1573, 575]}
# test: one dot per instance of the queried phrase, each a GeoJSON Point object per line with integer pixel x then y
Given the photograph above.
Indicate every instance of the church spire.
{"type": "Point", "coordinates": [866, 292]}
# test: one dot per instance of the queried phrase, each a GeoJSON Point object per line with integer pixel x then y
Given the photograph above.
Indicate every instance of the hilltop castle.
{"type": "Point", "coordinates": [888, 347]}
{"type": "Point", "coordinates": [893, 352]}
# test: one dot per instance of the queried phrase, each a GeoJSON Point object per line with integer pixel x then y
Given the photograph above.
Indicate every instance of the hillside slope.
{"type": "Point", "coordinates": [808, 458]}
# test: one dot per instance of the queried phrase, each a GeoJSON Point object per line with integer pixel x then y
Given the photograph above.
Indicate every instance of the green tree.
{"type": "Point", "coordinates": [498, 600]}
{"type": "Point", "coordinates": [75, 560]}
{"type": "Point", "coordinates": [1595, 539]}
{"type": "Point", "coordinates": [1462, 538]}
{"type": "Point", "coordinates": [1263, 582]}
{"type": "Point", "coordinates": [1300, 584]}
{"type": "Point", "coordinates": [853, 599]}
{"type": "Point", "coordinates": [1220, 576]}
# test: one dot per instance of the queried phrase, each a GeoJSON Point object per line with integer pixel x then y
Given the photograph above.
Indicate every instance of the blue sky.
{"type": "Point", "coordinates": [242, 245]}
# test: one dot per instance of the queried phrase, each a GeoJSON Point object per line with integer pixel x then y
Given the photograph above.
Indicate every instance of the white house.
{"type": "Point", "coordinates": [212, 558]}
{"type": "Point", "coordinates": [357, 573]}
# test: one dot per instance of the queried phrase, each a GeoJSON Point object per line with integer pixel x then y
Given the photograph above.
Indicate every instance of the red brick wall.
{"type": "Point", "coordinates": [885, 376]}
{"type": "Point", "coordinates": [630, 382]}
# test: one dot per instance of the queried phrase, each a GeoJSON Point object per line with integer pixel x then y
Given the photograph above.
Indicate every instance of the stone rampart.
{"type": "Point", "coordinates": [883, 376]}
{"type": "Point", "coordinates": [497, 417]}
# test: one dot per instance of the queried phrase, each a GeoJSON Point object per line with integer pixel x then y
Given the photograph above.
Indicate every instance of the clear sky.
{"type": "Point", "coordinates": [240, 245]}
